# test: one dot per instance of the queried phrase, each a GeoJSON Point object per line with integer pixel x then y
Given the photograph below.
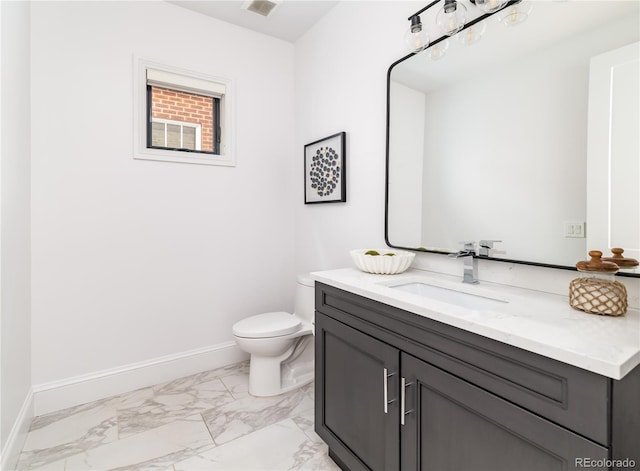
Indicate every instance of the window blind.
{"type": "Point", "coordinates": [162, 78]}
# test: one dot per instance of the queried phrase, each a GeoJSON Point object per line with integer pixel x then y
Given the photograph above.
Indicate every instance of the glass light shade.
{"type": "Point", "coordinates": [515, 14]}
{"type": "Point", "coordinates": [489, 6]}
{"type": "Point", "coordinates": [416, 39]}
{"type": "Point", "coordinates": [437, 51]}
{"type": "Point", "coordinates": [451, 18]}
{"type": "Point", "coordinates": [472, 34]}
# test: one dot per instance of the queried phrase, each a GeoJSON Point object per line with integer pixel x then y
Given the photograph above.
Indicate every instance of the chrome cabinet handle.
{"type": "Point", "coordinates": [385, 389]}
{"type": "Point", "coordinates": [403, 386]}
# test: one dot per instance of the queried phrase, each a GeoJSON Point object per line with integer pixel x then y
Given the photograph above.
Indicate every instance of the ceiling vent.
{"type": "Point", "coordinates": [261, 7]}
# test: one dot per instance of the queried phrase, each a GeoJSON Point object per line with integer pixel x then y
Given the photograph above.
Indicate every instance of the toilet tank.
{"type": "Point", "coordinates": [305, 298]}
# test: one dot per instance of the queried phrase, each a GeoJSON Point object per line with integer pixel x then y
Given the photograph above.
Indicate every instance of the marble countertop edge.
{"type": "Point", "coordinates": [538, 322]}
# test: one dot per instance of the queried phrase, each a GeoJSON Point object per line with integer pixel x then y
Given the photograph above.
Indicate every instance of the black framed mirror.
{"type": "Point", "coordinates": [499, 140]}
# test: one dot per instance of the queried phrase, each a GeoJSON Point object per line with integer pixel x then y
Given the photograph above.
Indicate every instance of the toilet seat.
{"type": "Point", "coordinates": [269, 324]}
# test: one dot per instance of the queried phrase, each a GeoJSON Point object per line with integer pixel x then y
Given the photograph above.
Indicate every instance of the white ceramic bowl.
{"type": "Point", "coordinates": [382, 264]}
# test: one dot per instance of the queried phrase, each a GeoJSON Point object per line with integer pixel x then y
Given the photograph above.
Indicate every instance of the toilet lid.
{"type": "Point", "coordinates": [270, 324]}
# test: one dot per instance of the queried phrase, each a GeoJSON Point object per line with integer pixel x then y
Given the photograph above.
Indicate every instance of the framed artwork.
{"type": "Point", "coordinates": [325, 170]}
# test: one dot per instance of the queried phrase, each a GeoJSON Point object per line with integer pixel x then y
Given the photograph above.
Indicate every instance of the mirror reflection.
{"type": "Point", "coordinates": [491, 140]}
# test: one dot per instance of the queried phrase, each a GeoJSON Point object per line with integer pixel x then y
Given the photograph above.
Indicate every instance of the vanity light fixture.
{"type": "Point", "coordinates": [516, 13]}
{"type": "Point", "coordinates": [437, 51]}
{"type": "Point", "coordinates": [451, 20]}
{"type": "Point", "coordinates": [489, 6]}
{"type": "Point", "coordinates": [451, 17]}
{"type": "Point", "coordinates": [472, 34]}
{"type": "Point", "coordinates": [416, 38]}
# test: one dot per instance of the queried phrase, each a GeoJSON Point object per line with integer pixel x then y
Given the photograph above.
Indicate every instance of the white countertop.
{"type": "Point", "coordinates": [539, 322]}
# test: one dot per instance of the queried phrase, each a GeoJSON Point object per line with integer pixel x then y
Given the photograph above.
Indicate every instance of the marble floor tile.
{"type": "Point", "coordinates": [305, 421]}
{"type": "Point", "coordinates": [158, 448]}
{"type": "Point", "coordinates": [249, 414]}
{"type": "Point", "coordinates": [171, 401]}
{"type": "Point", "coordinates": [179, 398]}
{"type": "Point", "coordinates": [237, 369]}
{"type": "Point", "coordinates": [51, 441]}
{"type": "Point", "coordinates": [49, 466]}
{"type": "Point", "coordinates": [280, 446]}
{"type": "Point", "coordinates": [203, 421]}
{"type": "Point", "coordinates": [55, 436]}
{"type": "Point", "coordinates": [237, 384]}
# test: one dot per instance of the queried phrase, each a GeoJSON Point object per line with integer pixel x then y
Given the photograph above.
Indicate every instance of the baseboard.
{"type": "Point", "coordinates": [18, 434]}
{"type": "Point", "coordinates": [58, 395]}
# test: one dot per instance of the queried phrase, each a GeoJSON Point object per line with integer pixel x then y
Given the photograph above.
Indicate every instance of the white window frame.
{"type": "Point", "coordinates": [182, 124]}
{"type": "Point", "coordinates": [227, 116]}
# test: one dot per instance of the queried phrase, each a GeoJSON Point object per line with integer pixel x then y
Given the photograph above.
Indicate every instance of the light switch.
{"type": "Point", "coordinates": [574, 229]}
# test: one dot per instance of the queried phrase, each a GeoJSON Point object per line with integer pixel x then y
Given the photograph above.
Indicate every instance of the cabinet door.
{"type": "Point", "coordinates": [456, 426]}
{"type": "Point", "coordinates": [355, 415]}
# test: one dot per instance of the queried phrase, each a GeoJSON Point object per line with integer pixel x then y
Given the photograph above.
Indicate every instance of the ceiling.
{"type": "Point", "coordinates": [289, 21]}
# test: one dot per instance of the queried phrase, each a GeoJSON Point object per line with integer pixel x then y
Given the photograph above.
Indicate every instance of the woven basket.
{"type": "Point", "coordinates": [598, 296]}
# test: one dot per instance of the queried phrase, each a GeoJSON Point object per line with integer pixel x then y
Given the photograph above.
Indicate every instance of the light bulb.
{"type": "Point", "coordinates": [515, 14]}
{"type": "Point", "coordinates": [437, 51]}
{"type": "Point", "coordinates": [472, 34]}
{"type": "Point", "coordinates": [451, 17]}
{"type": "Point", "coordinates": [490, 6]}
{"type": "Point", "coordinates": [416, 37]}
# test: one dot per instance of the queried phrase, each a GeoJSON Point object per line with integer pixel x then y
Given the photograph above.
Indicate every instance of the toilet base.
{"type": "Point", "coordinates": [263, 392]}
{"type": "Point", "coordinates": [270, 376]}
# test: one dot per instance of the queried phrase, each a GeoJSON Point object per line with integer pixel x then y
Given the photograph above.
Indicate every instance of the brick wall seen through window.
{"type": "Point", "coordinates": [184, 107]}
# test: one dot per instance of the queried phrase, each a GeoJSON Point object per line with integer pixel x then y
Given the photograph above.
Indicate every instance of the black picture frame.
{"type": "Point", "coordinates": [325, 170]}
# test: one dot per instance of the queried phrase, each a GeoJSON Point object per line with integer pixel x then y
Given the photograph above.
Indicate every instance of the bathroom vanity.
{"type": "Point", "coordinates": [410, 379]}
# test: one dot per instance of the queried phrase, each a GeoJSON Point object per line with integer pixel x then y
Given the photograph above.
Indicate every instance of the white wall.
{"type": "Point", "coordinates": [134, 260]}
{"type": "Point", "coordinates": [15, 231]}
{"type": "Point", "coordinates": [340, 72]}
{"type": "Point", "coordinates": [341, 67]}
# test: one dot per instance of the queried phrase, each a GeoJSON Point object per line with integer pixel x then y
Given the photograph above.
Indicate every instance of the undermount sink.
{"type": "Point", "coordinates": [452, 296]}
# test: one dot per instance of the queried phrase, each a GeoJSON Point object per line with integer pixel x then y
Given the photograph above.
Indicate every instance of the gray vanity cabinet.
{"type": "Point", "coordinates": [397, 391]}
{"type": "Point", "coordinates": [456, 426]}
{"type": "Point", "coordinates": [354, 421]}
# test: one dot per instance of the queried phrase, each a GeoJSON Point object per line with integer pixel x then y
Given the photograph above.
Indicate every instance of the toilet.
{"type": "Point", "coordinates": [280, 344]}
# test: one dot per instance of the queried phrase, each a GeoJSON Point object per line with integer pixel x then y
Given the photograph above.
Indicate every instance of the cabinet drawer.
{"type": "Point", "coordinates": [572, 397]}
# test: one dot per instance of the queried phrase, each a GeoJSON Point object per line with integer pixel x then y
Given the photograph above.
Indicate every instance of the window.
{"type": "Point", "coordinates": [182, 116]}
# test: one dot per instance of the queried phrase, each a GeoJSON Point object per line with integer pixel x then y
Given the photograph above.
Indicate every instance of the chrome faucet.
{"type": "Point", "coordinates": [486, 246]}
{"type": "Point", "coordinates": [470, 274]}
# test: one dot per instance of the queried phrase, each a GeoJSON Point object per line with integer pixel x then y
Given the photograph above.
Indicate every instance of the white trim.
{"type": "Point", "coordinates": [3, 453]}
{"type": "Point", "coordinates": [58, 395]}
{"type": "Point", "coordinates": [18, 434]}
{"type": "Point", "coordinates": [227, 156]}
